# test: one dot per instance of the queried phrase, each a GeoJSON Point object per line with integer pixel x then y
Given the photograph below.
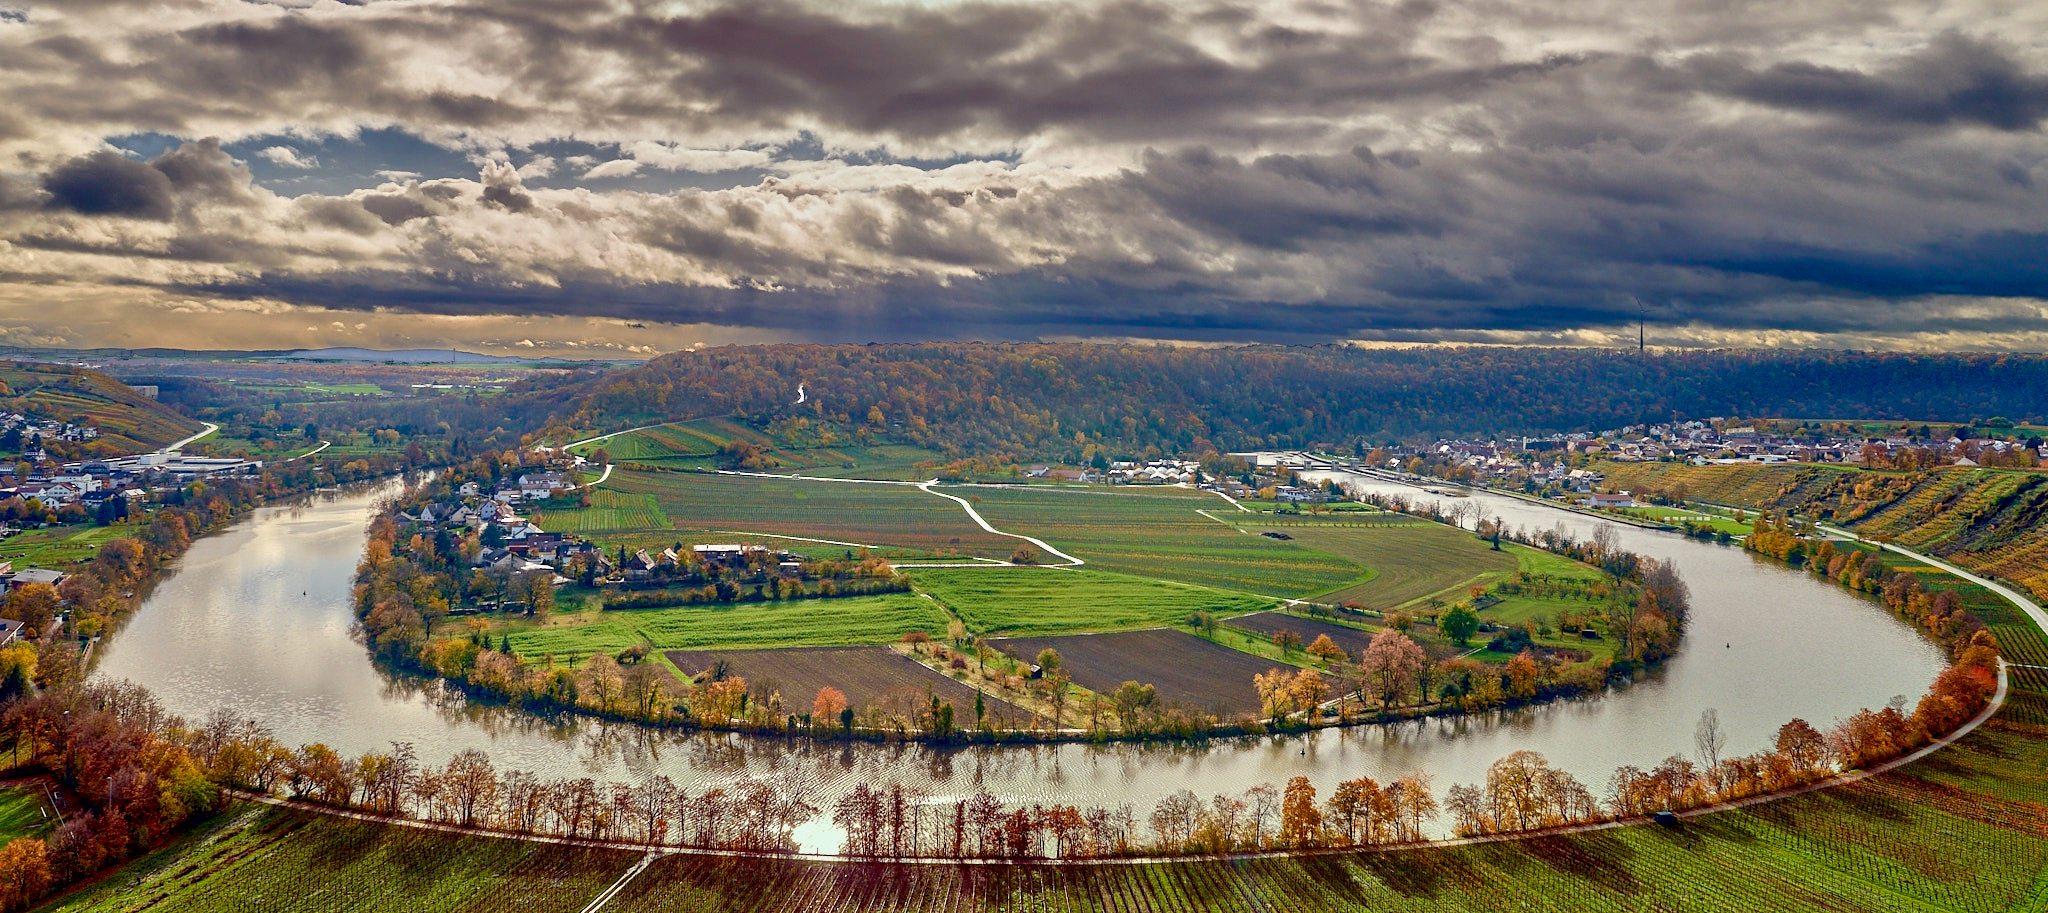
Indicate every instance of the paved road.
{"type": "Point", "coordinates": [2024, 603]}
{"type": "Point", "coordinates": [210, 428]}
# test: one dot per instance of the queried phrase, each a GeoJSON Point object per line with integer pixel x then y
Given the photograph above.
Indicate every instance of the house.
{"type": "Point", "coordinates": [17, 579]}
{"type": "Point", "coordinates": [1617, 499]}
{"type": "Point", "coordinates": [536, 486]}
{"type": "Point", "coordinates": [727, 555]}
{"type": "Point", "coordinates": [10, 630]}
{"type": "Point", "coordinates": [639, 565]}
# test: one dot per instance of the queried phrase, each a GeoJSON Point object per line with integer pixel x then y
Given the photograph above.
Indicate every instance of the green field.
{"type": "Point", "coordinates": [24, 812]}
{"type": "Point", "coordinates": [1414, 562]}
{"type": "Point", "coordinates": [1718, 522]}
{"type": "Point", "coordinates": [879, 515]}
{"type": "Point", "coordinates": [1156, 532]}
{"type": "Point", "coordinates": [571, 637]}
{"type": "Point", "coordinates": [56, 546]}
{"type": "Point", "coordinates": [1026, 601]}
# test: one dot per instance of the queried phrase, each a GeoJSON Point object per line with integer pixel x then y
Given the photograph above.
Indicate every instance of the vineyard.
{"type": "Point", "coordinates": [1988, 521]}
{"type": "Point", "coordinates": [1412, 563]}
{"type": "Point", "coordinates": [609, 512]}
{"type": "Point", "coordinates": [129, 422]}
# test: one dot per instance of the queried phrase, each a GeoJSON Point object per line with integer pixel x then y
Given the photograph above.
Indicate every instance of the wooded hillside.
{"type": "Point", "coordinates": [1043, 401]}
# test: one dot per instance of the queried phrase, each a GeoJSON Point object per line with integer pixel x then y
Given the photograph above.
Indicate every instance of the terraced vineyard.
{"type": "Point", "coordinates": [1990, 521]}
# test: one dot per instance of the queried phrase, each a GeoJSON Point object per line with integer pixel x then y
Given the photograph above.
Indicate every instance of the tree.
{"type": "Point", "coordinates": [35, 605]}
{"type": "Point", "coordinates": [1048, 660]}
{"type": "Point", "coordinates": [25, 872]}
{"type": "Point", "coordinates": [1325, 649]}
{"type": "Point", "coordinates": [1287, 641]}
{"type": "Point", "coordinates": [1709, 739]}
{"type": "Point", "coordinates": [1131, 700]}
{"type": "Point", "coordinates": [827, 706]}
{"type": "Point", "coordinates": [1459, 623]}
{"type": "Point", "coordinates": [1391, 667]}
{"type": "Point", "coordinates": [1301, 822]}
{"type": "Point", "coordinates": [1802, 745]}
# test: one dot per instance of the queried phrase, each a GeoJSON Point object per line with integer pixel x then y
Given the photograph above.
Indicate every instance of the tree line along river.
{"type": "Point", "coordinates": [256, 619]}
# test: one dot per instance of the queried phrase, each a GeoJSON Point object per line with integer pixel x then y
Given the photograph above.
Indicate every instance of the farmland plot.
{"type": "Point", "coordinates": [850, 512]}
{"type": "Point", "coordinates": [609, 512]}
{"type": "Point", "coordinates": [1157, 532]}
{"type": "Point", "coordinates": [795, 623]}
{"type": "Point", "coordinates": [1187, 670]}
{"type": "Point", "coordinates": [867, 675]}
{"type": "Point", "coordinates": [1022, 601]}
{"type": "Point", "coordinates": [1413, 563]}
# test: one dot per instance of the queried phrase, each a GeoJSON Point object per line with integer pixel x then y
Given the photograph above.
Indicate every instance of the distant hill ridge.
{"type": "Point", "coordinates": [1058, 400]}
{"type": "Point", "coordinates": [405, 356]}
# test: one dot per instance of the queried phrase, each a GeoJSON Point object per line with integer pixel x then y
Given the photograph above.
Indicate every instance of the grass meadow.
{"type": "Point", "coordinates": [571, 637]}
{"type": "Point", "coordinates": [1026, 600]}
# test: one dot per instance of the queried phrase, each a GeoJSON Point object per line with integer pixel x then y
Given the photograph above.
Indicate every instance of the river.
{"type": "Point", "coordinates": [225, 630]}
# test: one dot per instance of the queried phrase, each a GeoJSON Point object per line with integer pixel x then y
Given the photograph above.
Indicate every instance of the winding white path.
{"type": "Point", "coordinates": [323, 446]}
{"type": "Point", "coordinates": [976, 516]}
{"type": "Point", "coordinates": [179, 445]}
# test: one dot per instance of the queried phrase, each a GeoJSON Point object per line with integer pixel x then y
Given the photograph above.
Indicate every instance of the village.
{"type": "Point", "coordinates": [520, 557]}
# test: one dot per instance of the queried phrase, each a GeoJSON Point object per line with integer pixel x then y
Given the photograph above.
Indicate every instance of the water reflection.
{"type": "Point", "coordinates": [256, 619]}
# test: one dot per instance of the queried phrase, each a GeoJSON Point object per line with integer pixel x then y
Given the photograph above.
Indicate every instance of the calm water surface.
{"type": "Point", "coordinates": [256, 620]}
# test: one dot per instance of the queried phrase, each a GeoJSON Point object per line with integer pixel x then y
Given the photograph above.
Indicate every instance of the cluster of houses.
{"type": "Point", "coordinates": [1549, 460]}
{"type": "Point", "coordinates": [32, 432]}
{"type": "Point", "coordinates": [1125, 472]}
{"type": "Point", "coordinates": [93, 482]}
{"type": "Point", "coordinates": [521, 546]}
{"type": "Point", "coordinates": [642, 565]}
{"type": "Point", "coordinates": [68, 488]}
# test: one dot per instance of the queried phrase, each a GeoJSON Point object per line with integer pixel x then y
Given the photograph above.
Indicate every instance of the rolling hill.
{"type": "Point", "coordinates": [129, 422]}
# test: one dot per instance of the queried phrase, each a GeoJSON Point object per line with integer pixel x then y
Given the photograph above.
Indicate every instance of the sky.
{"type": "Point", "coordinates": [613, 178]}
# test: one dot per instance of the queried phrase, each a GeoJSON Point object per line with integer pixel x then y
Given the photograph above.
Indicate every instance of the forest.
{"type": "Point", "coordinates": [1066, 401]}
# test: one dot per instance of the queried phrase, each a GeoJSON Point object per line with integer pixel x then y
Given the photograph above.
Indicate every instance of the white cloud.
{"type": "Point", "coordinates": [539, 166]}
{"type": "Point", "coordinates": [287, 157]}
{"type": "Point", "coordinates": [616, 168]}
{"type": "Point", "coordinates": [670, 157]}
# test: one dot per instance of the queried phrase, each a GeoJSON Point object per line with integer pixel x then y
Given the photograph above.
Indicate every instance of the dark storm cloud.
{"type": "Point", "coordinates": [109, 184]}
{"type": "Point", "coordinates": [1954, 80]}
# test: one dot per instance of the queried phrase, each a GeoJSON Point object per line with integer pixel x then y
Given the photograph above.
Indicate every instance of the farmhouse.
{"type": "Point", "coordinates": [538, 486]}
